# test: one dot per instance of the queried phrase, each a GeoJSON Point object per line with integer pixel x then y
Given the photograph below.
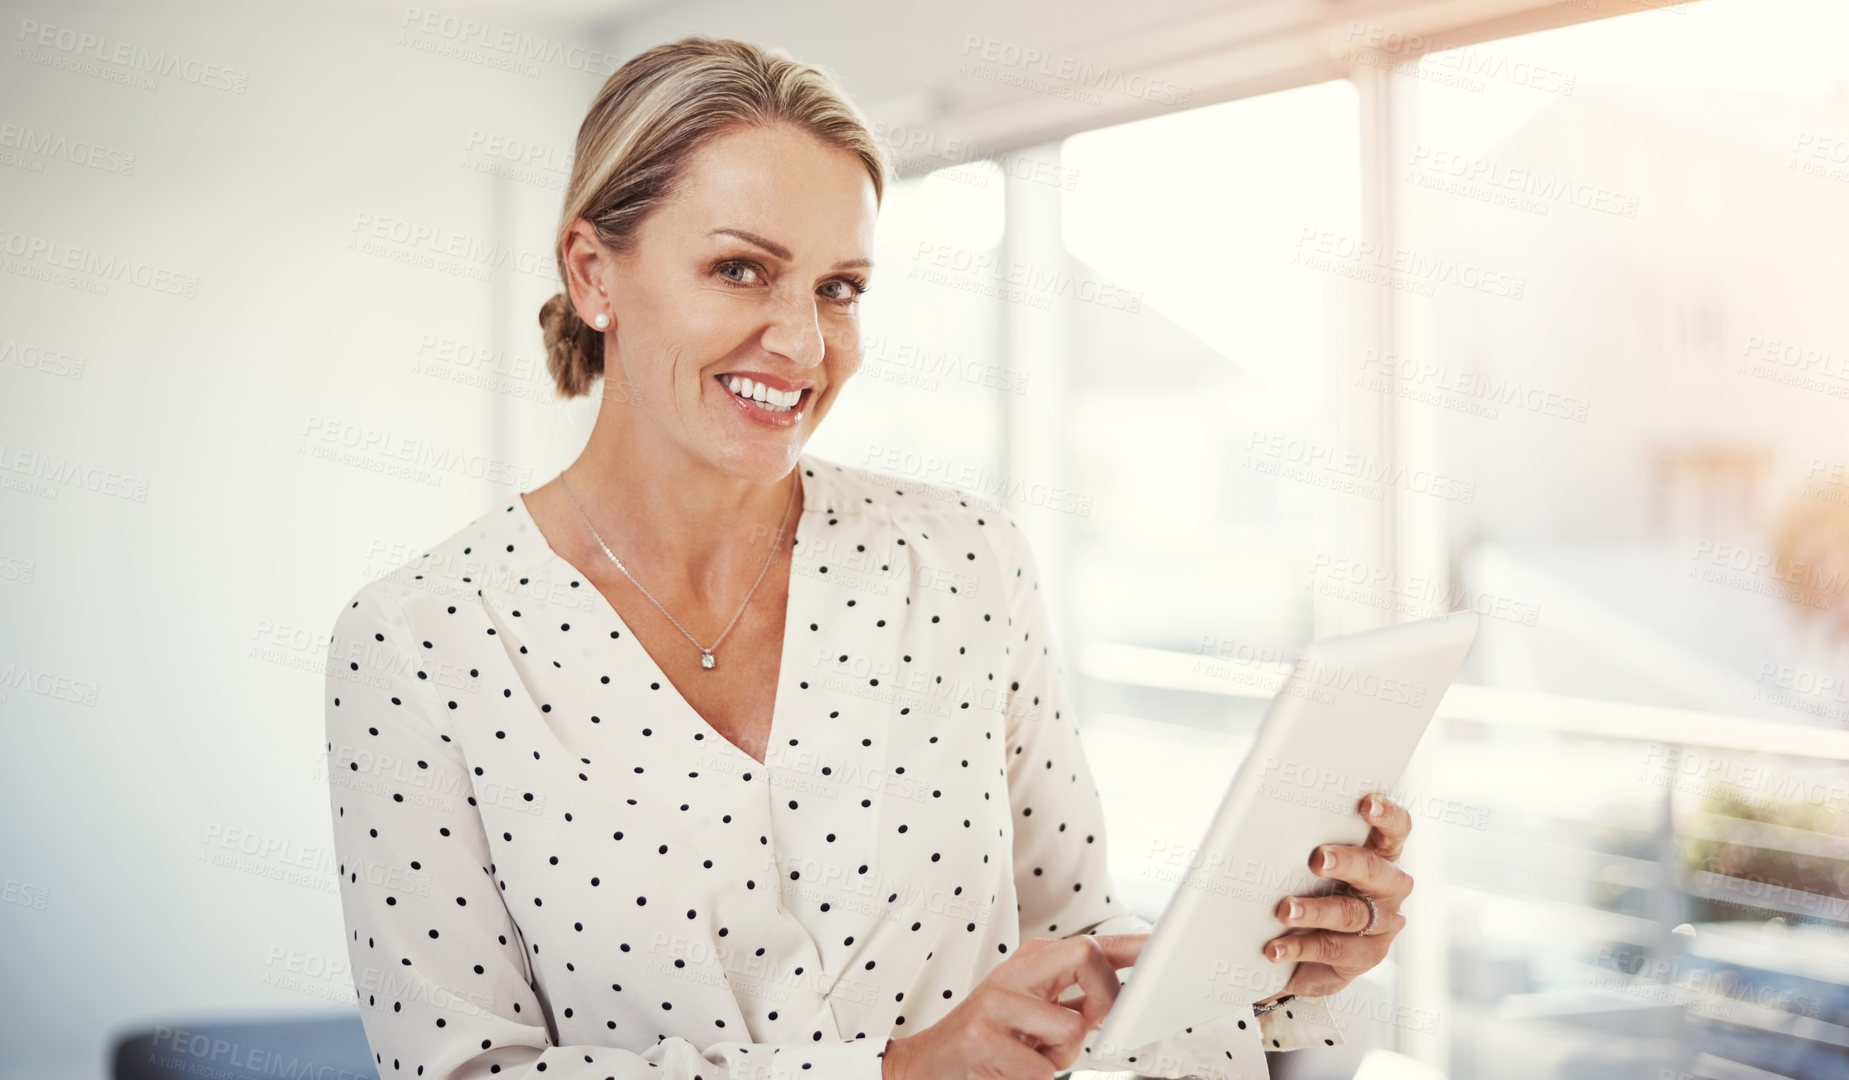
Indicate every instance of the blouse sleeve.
{"type": "Point", "coordinates": [438, 963]}
{"type": "Point", "coordinates": [1062, 881]}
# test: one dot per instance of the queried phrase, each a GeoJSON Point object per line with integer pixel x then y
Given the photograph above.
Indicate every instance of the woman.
{"type": "Point", "coordinates": [710, 758]}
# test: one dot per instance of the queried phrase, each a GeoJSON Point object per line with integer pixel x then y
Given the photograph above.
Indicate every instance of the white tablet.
{"type": "Point", "coordinates": [1344, 723]}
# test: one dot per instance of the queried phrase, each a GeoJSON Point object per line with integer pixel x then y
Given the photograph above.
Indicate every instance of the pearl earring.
{"type": "Point", "coordinates": [601, 321]}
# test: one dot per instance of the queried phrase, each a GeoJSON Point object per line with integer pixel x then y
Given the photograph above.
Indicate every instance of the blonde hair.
{"type": "Point", "coordinates": [649, 118]}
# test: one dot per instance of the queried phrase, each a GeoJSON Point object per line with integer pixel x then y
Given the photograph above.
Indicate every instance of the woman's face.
{"type": "Point", "coordinates": [751, 271]}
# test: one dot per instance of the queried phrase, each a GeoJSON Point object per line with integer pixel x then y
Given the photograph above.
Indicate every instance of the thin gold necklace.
{"type": "Point", "coordinates": [706, 653]}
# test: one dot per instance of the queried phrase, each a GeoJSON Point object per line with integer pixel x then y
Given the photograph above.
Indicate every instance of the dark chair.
{"type": "Point", "coordinates": [257, 1049]}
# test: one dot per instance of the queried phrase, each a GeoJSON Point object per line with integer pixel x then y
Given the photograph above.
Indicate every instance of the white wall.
{"type": "Point", "coordinates": [200, 407]}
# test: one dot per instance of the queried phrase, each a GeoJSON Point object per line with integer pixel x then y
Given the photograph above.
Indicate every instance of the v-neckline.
{"type": "Point", "coordinates": [807, 474]}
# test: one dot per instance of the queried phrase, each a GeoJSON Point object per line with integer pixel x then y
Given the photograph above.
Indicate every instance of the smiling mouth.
{"type": "Point", "coordinates": [764, 397]}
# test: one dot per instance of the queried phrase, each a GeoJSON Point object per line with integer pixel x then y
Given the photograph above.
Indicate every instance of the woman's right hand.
{"type": "Point", "coordinates": [1012, 1025]}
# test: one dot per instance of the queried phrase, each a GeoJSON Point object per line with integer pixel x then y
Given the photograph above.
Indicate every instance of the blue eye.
{"type": "Point", "coordinates": [722, 267]}
{"type": "Point", "coordinates": [856, 286]}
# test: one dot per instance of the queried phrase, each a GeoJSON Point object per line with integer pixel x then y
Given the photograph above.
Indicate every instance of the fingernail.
{"type": "Point", "coordinates": [1373, 806]}
{"type": "Point", "coordinates": [1296, 910]}
{"type": "Point", "coordinates": [1277, 950]}
{"type": "Point", "coordinates": [1328, 859]}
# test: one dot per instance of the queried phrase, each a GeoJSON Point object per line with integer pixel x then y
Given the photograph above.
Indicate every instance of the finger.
{"type": "Point", "coordinates": [1122, 949]}
{"type": "Point", "coordinates": [1363, 868]}
{"type": "Point", "coordinates": [1055, 1031]}
{"type": "Point", "coordinates": [1096, 972]}
{"type": "Point", "coordinates": [1340, 911]}
{"type": "Point", "coordinates": [1088, 960]}
{"type": "Point", "coordinates": [1343, 952]}
{"type": "Point", "coordinates": [1391, 825]}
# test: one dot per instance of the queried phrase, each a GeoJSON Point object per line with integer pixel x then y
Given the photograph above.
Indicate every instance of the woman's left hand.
{"type": "Point", "coordinates": [1332, 950]}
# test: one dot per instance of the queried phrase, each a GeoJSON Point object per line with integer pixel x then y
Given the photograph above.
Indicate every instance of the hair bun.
{"type": "Point", "coordinates": [574, 351]}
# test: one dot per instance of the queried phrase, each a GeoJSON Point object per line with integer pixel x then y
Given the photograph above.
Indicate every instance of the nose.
{"type": "Point", "coordinates": [795, 331]}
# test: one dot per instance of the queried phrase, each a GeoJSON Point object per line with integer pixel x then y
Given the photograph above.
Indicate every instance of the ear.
{"type": "Point", "coordinates": [586, 262]}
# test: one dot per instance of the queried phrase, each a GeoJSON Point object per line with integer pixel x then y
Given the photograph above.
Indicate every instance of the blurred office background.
{"type": "Point", "coordinates": [1269, 319]}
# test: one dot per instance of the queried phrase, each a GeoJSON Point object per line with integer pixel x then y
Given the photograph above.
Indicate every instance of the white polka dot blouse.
{"type": "Point", "coordinates": [551, 864]}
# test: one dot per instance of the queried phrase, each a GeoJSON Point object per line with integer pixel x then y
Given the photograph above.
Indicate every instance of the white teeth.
{"type": "Point", "coordinates": [764, 397]}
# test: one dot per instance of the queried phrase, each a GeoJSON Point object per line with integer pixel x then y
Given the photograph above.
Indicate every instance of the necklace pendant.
{"type": "Point", "coordinates": [706, 658]}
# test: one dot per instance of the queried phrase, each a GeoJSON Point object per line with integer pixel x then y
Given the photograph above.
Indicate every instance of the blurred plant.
{"type": "Point", "coordinates": [1758, 873]}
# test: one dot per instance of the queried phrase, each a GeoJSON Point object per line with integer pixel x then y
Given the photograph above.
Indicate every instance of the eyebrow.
{"type": "Point", "coordinates": [779, 250]}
